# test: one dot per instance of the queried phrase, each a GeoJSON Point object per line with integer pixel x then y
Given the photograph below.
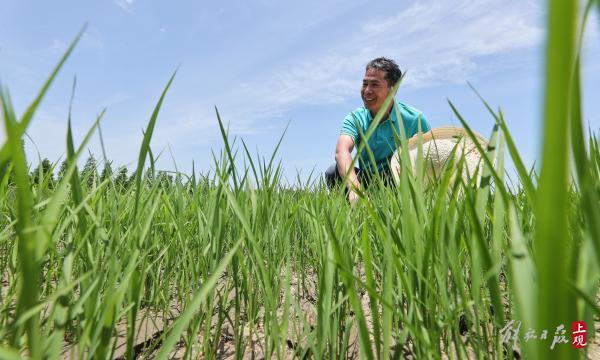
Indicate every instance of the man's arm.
{"type": "Point", "coordinates": [343, 159]}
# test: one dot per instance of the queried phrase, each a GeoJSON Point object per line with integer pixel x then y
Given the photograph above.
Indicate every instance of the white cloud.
{"type": "Point", "coordinates": [438, 42]}
{"type": "Point", "coordinates": [126, 5]}
{"type": "Point", "coordinates": [58, 47]}
{"type": "Point", "coordinates": [93, 39]}
{"type": "Point", "coordinates": [441, 41]}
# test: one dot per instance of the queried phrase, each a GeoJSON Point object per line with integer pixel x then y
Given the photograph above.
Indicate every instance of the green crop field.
{"type": "Point", "coordinates": [233, 264]}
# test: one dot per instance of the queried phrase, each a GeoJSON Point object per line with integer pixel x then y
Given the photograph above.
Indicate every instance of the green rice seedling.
{"type": "Point", "coordinates": [5, 151]}
{"type": "Point", "coordinates": [27, 251]}
{"type": "Point", "coordinates": [552, 238]}
{"type": "Point", "coordinates": [145, 148]}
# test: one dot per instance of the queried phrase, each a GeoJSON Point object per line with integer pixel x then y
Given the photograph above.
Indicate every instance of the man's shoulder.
{"type": "Point", "coordinates": [360, 113]}
{"type": "Point", "coordinates": [409, 111]}
{"type": "Point", "coordinates": [359, 117]}
{"type": "Point", "coordinates": [355, 122]}
{"type": "Point", "coordinates": [413, 119]}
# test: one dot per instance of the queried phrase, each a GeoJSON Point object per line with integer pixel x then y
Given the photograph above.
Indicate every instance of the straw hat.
{"type": "Point", "coordinates": [438, 144]}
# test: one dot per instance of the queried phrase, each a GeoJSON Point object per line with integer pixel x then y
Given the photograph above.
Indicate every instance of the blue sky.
{"type": "Point", "coordinates": [267, 63]}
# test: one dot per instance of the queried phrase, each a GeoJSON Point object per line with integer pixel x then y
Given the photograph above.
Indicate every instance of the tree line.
{"type": "Point", "coordinates": [44, 173]}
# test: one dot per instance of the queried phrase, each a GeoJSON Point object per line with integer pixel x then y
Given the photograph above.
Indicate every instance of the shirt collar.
{"type": "Point", "coordinates": [392, 116]}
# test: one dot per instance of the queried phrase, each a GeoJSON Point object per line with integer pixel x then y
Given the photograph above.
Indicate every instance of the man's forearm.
{"type": "Point", "coordinates": [344, 161]}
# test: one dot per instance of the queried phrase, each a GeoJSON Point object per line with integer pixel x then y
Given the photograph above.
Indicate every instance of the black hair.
{"type": "Point", "coordinates": [389, 67]}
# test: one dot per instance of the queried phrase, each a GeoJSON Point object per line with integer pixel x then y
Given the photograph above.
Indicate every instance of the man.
{"type": "Point", "coordinates": [380, 76]}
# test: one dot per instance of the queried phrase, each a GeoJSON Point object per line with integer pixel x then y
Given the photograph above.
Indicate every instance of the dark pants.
{"type": "Point", "coordinates": [333, 178]}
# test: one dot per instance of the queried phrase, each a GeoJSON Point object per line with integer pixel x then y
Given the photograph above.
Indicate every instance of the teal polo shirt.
{"type": "Point", "coordinates": [382, 142]}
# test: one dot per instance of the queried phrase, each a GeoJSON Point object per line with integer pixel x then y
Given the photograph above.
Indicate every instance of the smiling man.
{"type": "Point", "coordinates": [380, 76]}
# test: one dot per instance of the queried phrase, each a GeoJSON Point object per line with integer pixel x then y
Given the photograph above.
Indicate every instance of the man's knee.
{"type": "Point", "coordinates": [331, 175]}
{"type": "Point", "coordinates": [331, 171]}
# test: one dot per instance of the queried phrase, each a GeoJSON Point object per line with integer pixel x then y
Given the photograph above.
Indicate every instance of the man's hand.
{"type": "Point", "coordinates": [352, 197]}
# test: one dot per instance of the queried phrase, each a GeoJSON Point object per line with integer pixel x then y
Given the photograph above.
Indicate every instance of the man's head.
{"type": "Point", "coordinates": [380, 75]}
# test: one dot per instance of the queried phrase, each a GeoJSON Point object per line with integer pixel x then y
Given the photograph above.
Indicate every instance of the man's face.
{"type": "Point", "coordinates": [374, 90]}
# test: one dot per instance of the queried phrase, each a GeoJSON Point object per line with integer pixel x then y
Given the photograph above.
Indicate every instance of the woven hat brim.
{"type": "Point", "coordinates": [440, 133]}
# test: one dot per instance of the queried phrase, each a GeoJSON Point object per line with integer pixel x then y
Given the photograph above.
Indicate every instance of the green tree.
{"type": "Point", "coordinates": [149, 177]}
{"type": "Point", "coordinates": [61, 171]}
{"type": "Point", "coordinates": [131, 180]}
{"type": "Point", "coordinates": [121, 179]}
{"type": "Point", "coordinates": [107, 172]}
{"type": "Point", "coordinates": [89, 174]}
{"type": "Point", "coordinates": [43, 173]}
{"type": "Point", "coordinates": [165, 179]}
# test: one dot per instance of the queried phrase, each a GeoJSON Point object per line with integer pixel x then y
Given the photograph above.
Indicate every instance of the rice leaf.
{"type": "Point", "coordinates": [198, 299]}
{"type": "Point", "coordinates": [146, 144]}
{"type": "Point", "coordinates": [552, 234]}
